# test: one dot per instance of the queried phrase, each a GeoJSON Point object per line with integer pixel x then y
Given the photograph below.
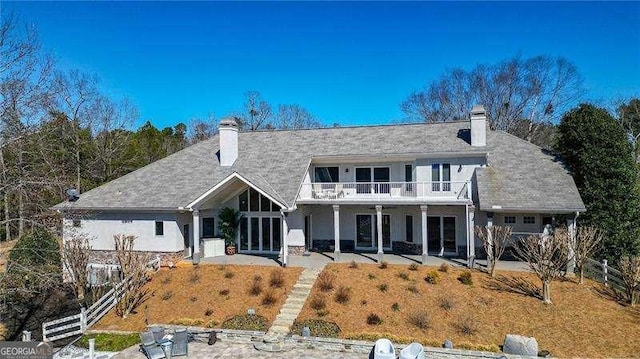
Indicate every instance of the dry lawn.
{"type": "Point", "coordinates": [5, 247]}
{"type": "Point", "coordinates": [206, 299]}
{"type": "Point", "coordinates": [581, 322]}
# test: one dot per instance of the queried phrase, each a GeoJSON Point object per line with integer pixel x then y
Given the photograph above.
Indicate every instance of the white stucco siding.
{"type": "Point", "coordinates": [101, 227]}
{"type": "Point", "coordinates": [295, 222]}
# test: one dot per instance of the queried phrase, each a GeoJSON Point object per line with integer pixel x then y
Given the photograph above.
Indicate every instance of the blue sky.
{"type": "Point", "coordinates": [351, 63]}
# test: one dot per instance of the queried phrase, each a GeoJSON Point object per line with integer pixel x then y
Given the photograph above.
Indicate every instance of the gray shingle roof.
{"type": "Point", "coordinates": [276, 161]}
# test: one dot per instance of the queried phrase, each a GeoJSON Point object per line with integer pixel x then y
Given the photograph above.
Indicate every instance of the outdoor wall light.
{"type": "Point", "coordinates": [460, 168]}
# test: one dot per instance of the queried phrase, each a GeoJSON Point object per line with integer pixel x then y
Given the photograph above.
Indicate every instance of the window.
{"type": "Point", "coordinates": [547, 220]}
{"type": "Point", "coordinates": [327, 174]}
{"type": "Point", "coordinates": [509, 219]}
{"type": "Point", "coordinates": [408, 177]}
{"type": "Point", "coordinates": [77, 223]}
{"type": "Point", "coordinates": [208, 227]}
{"type": "Point", "coordinates": [409, 227]}
{"type": "Point", "coordinates": [264, 204]}
{"type": "Point", "coordinates": [254, 201]}
{"type": "Point", "coordinates": [441, 177]}
{"type": "Point", "coordinates": [159, 228]}
{"type": "Point", "coordinates": [244, 201]}
{"type": "Point", "coordinates": [529, 220]}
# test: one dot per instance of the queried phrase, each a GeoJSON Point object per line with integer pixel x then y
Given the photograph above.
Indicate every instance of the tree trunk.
{"type": "Point", "coordinates": [546, 295]}
{"type": "Point", "coordinates": [7, 223]}
{"type": "Point", "coordinates": [492, 268]}
{"type": "Point", "coordinates": [20, 214]}
{"type": "Point", "coordinates": [581, 275]}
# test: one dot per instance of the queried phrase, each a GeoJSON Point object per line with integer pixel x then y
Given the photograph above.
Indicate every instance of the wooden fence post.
{"type": "Point", "coordinates": [605, 272]}
{"type": "Point", "coordinates": [44, 332]}
{"type": "Point", "coordinates": [83, 319]}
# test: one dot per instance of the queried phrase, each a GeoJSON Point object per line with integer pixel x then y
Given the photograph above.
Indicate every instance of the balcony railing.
{"type": "Point", "coordinates": [445, 190]}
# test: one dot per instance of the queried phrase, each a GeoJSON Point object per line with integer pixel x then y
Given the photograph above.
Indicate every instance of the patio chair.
{"type": "Point", "coordinates": [149, 347]}
{"type": "Point", "coordinates": [158, 333]}
{"type": "Point", "coordinates": [413, 351]}
{"type": "Point", "coordinates": [180, 343]}
{"type": "Point", "coordinates": [384, 349]}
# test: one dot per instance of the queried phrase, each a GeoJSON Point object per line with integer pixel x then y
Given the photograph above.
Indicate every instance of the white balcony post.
{"type": "Point", "coordinates": [196, 235]}
{"type": "Point", "coordinates": [471, 239]}
{"type": "Point", "coordinates": [572, 229]}
{"type": "Point", "coordinates": [285, 242]}
{"type": "Point", "coordinates": [379, 231]}
{"type": "Point", "coordinates": [336, 231]}
{"type": "Point", "coordinates": [425, 252]}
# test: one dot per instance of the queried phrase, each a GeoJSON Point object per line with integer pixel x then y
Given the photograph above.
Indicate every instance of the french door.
{"type": "Point", "coordinates": [367, 232]}
{"type": "Point", "coordinates": [441, 234]}
{"type": "Point", "coordinates": [260, 234]}
{"type": "Point", "coordinates": [372, 179]}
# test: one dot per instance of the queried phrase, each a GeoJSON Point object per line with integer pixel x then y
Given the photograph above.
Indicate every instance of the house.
{"type": "Point", "coordinates": [410, 188]}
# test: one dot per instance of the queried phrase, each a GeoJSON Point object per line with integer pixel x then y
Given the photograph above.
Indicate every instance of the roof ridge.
{"type": "Point", "coordinates": [357, 126]}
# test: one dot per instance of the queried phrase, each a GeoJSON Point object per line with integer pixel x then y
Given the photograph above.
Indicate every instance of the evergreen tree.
{"type": "Point", "coordinates": [597, 151]}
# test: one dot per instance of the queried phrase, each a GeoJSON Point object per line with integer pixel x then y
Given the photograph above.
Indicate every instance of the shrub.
{"type": "Point", "coordinates": [403, 275]}
{"type": "Point", "coordinates": [419, 319]}
{"type": "Point", "coordinates": [166, 280]}
{"type": "Point", "coordinates": [353, 265]}
{"type": "Point", "coordinates": [318, 327]}
{"type": "Point", "coordinates": [395, 307]}
{"type": "Point", "coordinates": [413, 266]}
{"type": "Point", "coordinates": [446, 303]}
{"type": "Point", "coordinates": [257, 277]}
{"type": "Point", "coordinates": [194, 276]}
{"type": "Point", "coordinates": [444, 268]}
{"type": "Point", "coordinates": [193, 299]}
{"type": "Point", "coordinates": [432, 277]}
{"type": "Point", "coordinates": [322, 313]}
{"type": "Point", "coordinates": [166, 295]}
{"type": "Point", "coordinates": [318, 302]}
{"type": "Point", "coordinates": [383, 265]}
{"type": "Point", "coordinates": [343, 295]}
{"type": "Point", "coordinates": [371, 276]}
{"type": "Point", "coordinates": [383, 287]}
{"type": "Point", "coordinates": [229, 275]}
{"type": "Point", "coordinates": [467, 325]}
{"type": "Point", "coordinates": [187, 322]}
{"type": "Point", "coordinates": [374, 319]}
{"type": "Point", "coordinates": [208, 312]}
{"type": "Point", "coordinates": [325, 281]}
{"type": "Point", "coordinates": [363, 302]}
{"type": "Point", "coordinates": [465, 278]}
{"type": "Point", "coordinates": [269, 298]}
{"type": "Point", "coordinates": [212, 324]}
{"type": "Point", "coordinates": [223, 292]}
{"type": "Point", "coordinates": [246, 322]}
{"type": "Point", "coordinates": [256, 287]}
{"type": "Point", "coordinates": [413, 289]}
{"type": "Point", "coordinates": [276, 278]}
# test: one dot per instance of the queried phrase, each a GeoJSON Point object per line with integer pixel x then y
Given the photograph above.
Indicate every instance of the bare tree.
{"type": "Point", "coordinates": [494, 241]}
{"type": "Point", "coordinates": [76, 252]}
{"type": "Point", "coordinates": [547, 257]}
{"type": "Point", "coordinates": [257, 112]}
{"type": "Point", "coordinates": [134, 268]}
{"type": "Point", "coordinates": [629, 115]}
{"type": "Point", "coordinates": [202, 129]}
{"type": "Point", "coordinates": [630, 270]}
{"type": "Point", "coordinates": [295, 117]}
{"type": "Point", "coordinates": [537, 90]}
{"type": "Point", "coordinates": [586, 241]}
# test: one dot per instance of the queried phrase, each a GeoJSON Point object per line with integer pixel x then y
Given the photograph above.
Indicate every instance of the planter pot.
{"type": "Point", "coordinates": [231, 250]}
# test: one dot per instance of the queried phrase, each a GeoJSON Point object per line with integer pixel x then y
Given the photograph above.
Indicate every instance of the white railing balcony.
{"type": "Point", "coordinates": [345, 191]}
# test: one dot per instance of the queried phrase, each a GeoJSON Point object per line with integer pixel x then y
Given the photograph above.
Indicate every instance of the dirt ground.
{"type": "Point", "coordinates": [179, 298]}
{"type": "Point", "coordinates": [581, 322]}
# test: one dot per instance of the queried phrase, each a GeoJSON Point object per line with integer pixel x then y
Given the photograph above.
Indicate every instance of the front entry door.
{"type": "Point", "coordinates": [260, 234]}
{"type": "Point", "coordinates": [187, 240]}
{"type": "Point", "coordinates": [433, 234]}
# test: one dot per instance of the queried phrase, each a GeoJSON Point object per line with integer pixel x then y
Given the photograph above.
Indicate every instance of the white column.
{"type": "Point", "coordinates": [336, 232]}
{"type": "Point", "coordinates": [285, 242]}
{"type": "Point", "coordinates": [471, 241]}
{"type": "Point", "coordinates": [425, 249]}
{"type": "Point", "coordinates": [379, 231]}
{"type": "Point", "coordinates": [572, 229]}
{"type": "Point", "coordinates": [196, 236]}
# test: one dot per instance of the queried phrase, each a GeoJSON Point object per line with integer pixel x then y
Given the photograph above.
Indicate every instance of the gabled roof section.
{"type": "Point", "coordinates": [524, 177]}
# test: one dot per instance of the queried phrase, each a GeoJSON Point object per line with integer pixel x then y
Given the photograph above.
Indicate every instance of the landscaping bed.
{"type": "Point", "coordinates": [430, 305]}
{"type": "Point", "coordinates": [208, 296]}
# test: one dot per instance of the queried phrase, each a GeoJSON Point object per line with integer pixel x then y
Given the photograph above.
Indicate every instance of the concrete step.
{"type": "Point", "coordinates": [302, 286]}
{"type": "Point", "coordinates": [296, 299]}
{"type": "Point", "coordinates": [290, 317]}
{"type": "Point", "coordinates": [279, 328]}
{"type": "Point", "coordinates": [290, 311]}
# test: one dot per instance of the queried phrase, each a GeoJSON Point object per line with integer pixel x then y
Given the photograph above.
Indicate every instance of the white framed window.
{"type": "Point", "coordinates": [509, 219]}
{"type": "Point", "coordinates": [529, 220]}
{"type": "Point", "coordinates": [441, 177]}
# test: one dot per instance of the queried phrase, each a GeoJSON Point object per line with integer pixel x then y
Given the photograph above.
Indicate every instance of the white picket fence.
{"type": "Point", "coordinates": [602, 272]}
{"type": "Point", "coordinates": [79, 323]}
